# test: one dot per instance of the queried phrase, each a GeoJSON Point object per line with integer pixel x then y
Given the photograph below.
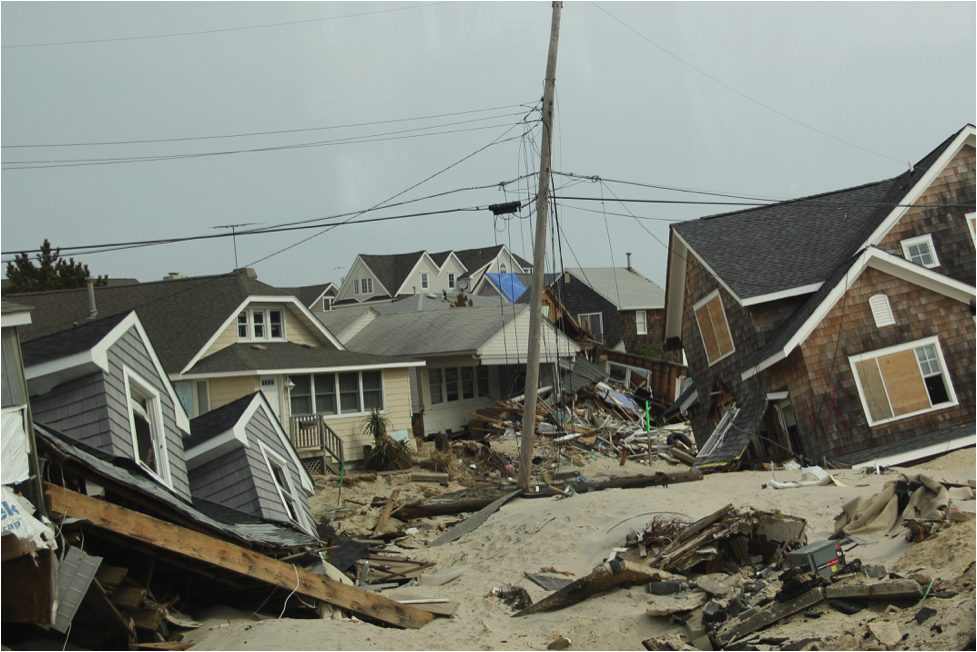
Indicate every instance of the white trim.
{"type": "Point", "coordinates": [353, 277]}
{"type": "Point", "coordinates": [928, 240]}
{"type": "Point", "coordinates": [18, 318]}
{"type": "Point", "coordinates": [695, 307]}
{"type": "Point", "coordinates": [215, 447]}
{"type": "Point", "coordinates": [965, 137]}
{"type": "Point", "coordinates": [882, 261]}
{"type": "Point", "coordinates": [972, 225]}
{"type": "Point", "coordinates": [777, 396]}
{"type": "Point", "coordinates": [690, 401]}
{"type": "Point", "coordinates": [898, 348]}
{"type": "Point", "coordinates": [581, 315]}
{"type": "Point", "coordinates": [919, 453]}
{"type": "Point", "coordinates": [300, 516]}
{"type": "Point", "coordinates": [413, 269]}
{"type": "Point", "coordinates": [302, 370]}
{"type": "Point", "coordinates": [881, 310]}
{"type": "Point", "coordinates": [157, 426]}
{"type": "Point", "coordinates": [641, 325]}
{"type": "Point", "coordinates": [718, 435]}
{"type": "Point", "coordinates": [800, 290]}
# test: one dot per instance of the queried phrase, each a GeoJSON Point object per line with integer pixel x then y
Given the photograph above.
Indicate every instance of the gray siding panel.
{"type": "Point", "coordinates": [227, 480]}
{"type": "Point", "coordinates": [66, 408]}
{"type": "Point", "coordinates": [12, 394]}
{"type": "Point", "coordinates": [129, 351]}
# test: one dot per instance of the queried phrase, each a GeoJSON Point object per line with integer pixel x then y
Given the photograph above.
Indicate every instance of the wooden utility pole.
{"type": "Point", "coordinates": [539, 258]}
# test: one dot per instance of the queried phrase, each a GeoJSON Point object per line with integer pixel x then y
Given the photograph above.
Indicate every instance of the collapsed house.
{"type": "Point", "coordinates": [838, 327]}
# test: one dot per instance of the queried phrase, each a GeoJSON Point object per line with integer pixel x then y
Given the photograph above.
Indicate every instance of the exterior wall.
{"type": "Point", "coordinates": [952, 237]}
{"type": "Point", "coordinates": [512, 343]}
{"type": "Point", "coordinates": [261, 429]}
{"type": "Point", "coordinates": [358, 271]}
{"type": "Point", "coordinates": [228, 480]}
{"type": "Point", "coordinates": [298, 333]}
{"type": "Point", "coordinates": [579, 298]}
{"type": "Point", "coordinates": [79, 408]}
{"type": "Point", "coordinates": [656, 329]}
{"type": "Point", "coordinates": [226, 390]}
{"type": "Point", "coordinates": [12, 389]}
{"type": "Point", "coordinates": [437, 279]}
{"type": "Point", "coordinates": [224, 340]}
{"type": "Point", "coordinates": [849, 329]}
{"type": "Point", "coordinates": [456, 415]}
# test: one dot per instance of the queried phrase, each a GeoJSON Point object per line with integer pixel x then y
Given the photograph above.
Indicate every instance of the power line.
{"type": "Point", "coordinates": [226, 29]}
{"type": "Point", "coordinates": [36, 165]}
{"type": "Point", "coordinates": [274, 133]}
{"type": "Point", "coordinates": [744, 95]}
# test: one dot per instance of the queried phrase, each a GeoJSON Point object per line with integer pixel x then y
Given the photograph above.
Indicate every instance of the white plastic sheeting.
{"type": "Point", "coordinates": [18, 519]}
{"type": "Point", "coordinates": [14, 452]}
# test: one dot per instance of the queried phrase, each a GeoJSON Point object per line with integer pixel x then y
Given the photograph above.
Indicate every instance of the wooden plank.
{"type": "Point", "coordinates": [28, 589]}
{"type": "Point", "coordinates": [14, 547]}
{"type": "Point", "coordinates": [904, 382]}
{"type": "Point", "coordinates": [202, 548]}
{"type": "Point", "coordinates": [737, 629]}
{"type": "Point", "coordinates": [129, 597]}
{"type": "Point", "coordinates": [704, 523]}
{"type": "Point", "coordinates": [105, 612]}
{"type": "Point", "coordinates": [168, 645]}
{"type": "Point", "coordinates": [901, 589]}
{"type": "Point", "coordinates": [385, 514]}
{"type": "Point", "coordinates": [110, 576]}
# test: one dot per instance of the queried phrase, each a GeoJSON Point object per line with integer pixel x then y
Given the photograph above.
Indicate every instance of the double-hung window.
{"type": "Point", "coordinates": [363, 286]}
{"type": "Point", "coordinates": [454, 384]}
{"type": "Point", "coordinates": [352, 392]}
{"type": "Point", "coordinates": [641, 322]}
{"type": "Point", "coordinates": [425, 283]}
{"type": "Point", "coordinates": [593, 323]}
{"type": "Point", "coordinates": [451, 281]}
{"type": "Point", "coordinates": [921, 251]}
{"type": "Point", "coordinates": [902, 381]}
{"type": "Point", "coordinates": [261, 324]}
{"type": "Point", "coordinates": [194, 396]}
{"type": "Point", "coordinates": [283, 483]}
{"type": "Point", "coordinates": [713, 328]}
{"type": "Point", "coordinates": [146, 426]}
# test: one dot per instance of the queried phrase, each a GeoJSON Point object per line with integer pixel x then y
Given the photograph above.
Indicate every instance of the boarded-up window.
{"type": "Point", "coordinates": [881, 310]}
{"type": "Point", "coordinates": [902, 381]}
{"type": "Point", "coordinates": [711, 317]}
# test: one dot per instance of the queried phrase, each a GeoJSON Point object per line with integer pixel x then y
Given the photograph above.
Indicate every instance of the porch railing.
{"type": "Point", "coordinates": [313, 438]}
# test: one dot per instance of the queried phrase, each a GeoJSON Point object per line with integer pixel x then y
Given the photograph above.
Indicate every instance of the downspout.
{"type": "Point", "coordinates": [92, 310]}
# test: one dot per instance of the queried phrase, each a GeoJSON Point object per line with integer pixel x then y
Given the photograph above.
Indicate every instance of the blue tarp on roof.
{"type": "Point", "coordinates": [510, 285]}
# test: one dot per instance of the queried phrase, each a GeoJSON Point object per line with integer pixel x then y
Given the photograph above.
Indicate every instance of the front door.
{"type": "Point", "coordinates": [269, 387]}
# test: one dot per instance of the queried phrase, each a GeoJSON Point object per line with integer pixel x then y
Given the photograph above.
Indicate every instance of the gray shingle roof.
{"type": "Point", "coordinates": [908, 445]}
{"type": "Point", "coordinates": [752, 401]}
{"type": "Point", "coordinates": [8, 307]}
{"type": "Point", "coordinates": [216, 422]}
{"type": "Point", "coordinates": [457, 330]}
{"type": "Point", "coordinates": [424, 303]}
{"type": "Point", "coordinates": [475, 259]}
{"type": "Point", "coordinates": [307, 294]}
{"type": "Point", "coordinates": [75, 340]}
{"type": "Point", "coordinates": [625, 288]}
{"type": "Point", "coordinates": [282, 355]}
{"type": "Point", "coordinates": [179, 316]}
{"type": "Point", "coordinates": [336, 321]}
{"type": "Point", "coordinates": [797, 243]}
{"type": "Point", "coordinates": [243, 528]}
{"type": "Point", "coordinates": [583, 374]}
{"type": "Point", "coordinates": [392, 270]}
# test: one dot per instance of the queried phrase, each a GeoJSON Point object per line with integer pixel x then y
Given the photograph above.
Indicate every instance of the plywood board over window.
{"type": "Point", "coordinates": [904, 380]}
{"type": "Point", "coordinates": [711, 318]}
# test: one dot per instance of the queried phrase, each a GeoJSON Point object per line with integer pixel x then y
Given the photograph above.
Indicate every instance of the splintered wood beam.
{"type": "Point", "coordinates": [385, 514]}
{"type": "Point", "coordinates": [194, 545]}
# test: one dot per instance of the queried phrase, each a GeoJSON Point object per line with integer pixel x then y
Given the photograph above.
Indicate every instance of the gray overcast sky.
{"type": "Point", "coordinates": [892, 78]}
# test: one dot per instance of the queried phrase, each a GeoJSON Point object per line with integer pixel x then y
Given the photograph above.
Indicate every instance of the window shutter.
{"type": "Point", "coordinates": [707, 331]}
{"type": "Point", "coordinates": [720, 326]}
{"type": "Point", "coordinates": [907, 391]}
{"type": "Point", "coordinates": [874, 389]}
{"type": "Point", "coordinates": [881, 311]}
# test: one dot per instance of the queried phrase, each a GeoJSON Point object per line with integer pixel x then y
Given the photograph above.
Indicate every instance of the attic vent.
{"type": "Point", "coordinates": [308, 346]}
{"type": "Point", "coordinates": [259, 347]}
{"type": "Point", "coordinates": [881, 310]}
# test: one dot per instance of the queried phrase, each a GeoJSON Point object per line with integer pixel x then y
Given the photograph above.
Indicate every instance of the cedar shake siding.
{"type": "Point", "coordinates": [579, 299]}
{"type": "Point", "coordinates": [655, 320]}
{"type": "Point", "coordinates": [947, 224]}
{"type": "Point", "coordinates": [848, 330]}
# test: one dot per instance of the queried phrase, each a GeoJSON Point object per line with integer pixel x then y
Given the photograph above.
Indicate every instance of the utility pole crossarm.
{"type": "Point", "coordinates": [539, 257]}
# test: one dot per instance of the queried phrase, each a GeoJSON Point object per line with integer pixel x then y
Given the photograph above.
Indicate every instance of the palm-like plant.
{"type": "Point", "coordinates": [387, 454]}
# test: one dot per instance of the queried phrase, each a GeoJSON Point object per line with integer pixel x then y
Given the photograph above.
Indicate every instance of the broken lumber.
{"type": "Point", "coordinates": [427, 510]}
{"type": "Point", "coordinates": [740, 627]}
{"type": "Point", "coordinates": [385, 514]}
{"type": "Point", "coordinates": [604, 577]}
{"type": "Point", "coordinates": [201, 547]}
{"type": "Point", "coordinates": [902, 589]}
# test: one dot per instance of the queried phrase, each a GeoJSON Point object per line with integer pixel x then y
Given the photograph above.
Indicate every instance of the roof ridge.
{"type": "Point", "coordinates": [103, 288]}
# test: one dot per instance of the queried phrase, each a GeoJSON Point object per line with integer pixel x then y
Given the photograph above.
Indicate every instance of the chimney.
{"type": "Point", "coordinates": [92, 310]}
{"type": "Point", "coordinates": [629, 259]}
{"type": "Point", "coordinates": [173, 276]}
{"type": "Point", "coordinates": [248, 271]}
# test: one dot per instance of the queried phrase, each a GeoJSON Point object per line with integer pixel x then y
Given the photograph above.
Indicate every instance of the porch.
{"type": "Point", "coordinates": [317, 445]}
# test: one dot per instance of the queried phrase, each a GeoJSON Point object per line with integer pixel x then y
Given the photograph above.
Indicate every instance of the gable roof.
{"type": "Point", "coordinates": [789, 248]}
{"type": "Point", "coordinates": [309, 294]}
{"type": "Point", "coordinates": [213, 423]}
{"type": "Point", "coordinates": [806, 318]}
{"type": "Point", "coordinates": [244, 358]}
{"type": "Point", "coordinates": [475, 259]}
{"type": "Point", "coordinates": [182, 317]}
{"type": "Point", "coordinates": [625, 288]}
{"type": "Point", "coordinates": [392, 270]}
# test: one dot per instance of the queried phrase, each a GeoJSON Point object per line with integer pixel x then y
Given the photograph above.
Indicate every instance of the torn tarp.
{"type": "Point", "coordinates": [18, 520]}
{"type": "Point", "coordinates": [14, 459]}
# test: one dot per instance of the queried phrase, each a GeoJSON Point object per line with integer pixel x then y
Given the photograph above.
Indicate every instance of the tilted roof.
{"type": "Point", "coordinates": [74, 340]}
{"type": "Point", "coordinates": [625, 288]}
{"type": "Point", "coordinates": [218, 421]}
{"type": "Point", "coordinates": [282, 356]}
{"type": "Point", "coordinates": [796, 244]}
{"type": "Point", "coordinates": [180, 316]}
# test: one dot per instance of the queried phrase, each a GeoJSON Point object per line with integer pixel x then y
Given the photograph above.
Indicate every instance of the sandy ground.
{"type": "Point", "coordinates": [576, 534]}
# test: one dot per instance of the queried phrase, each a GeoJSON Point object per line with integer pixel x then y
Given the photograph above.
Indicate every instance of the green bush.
{"type": "Point", "coordinates": [386, 453]}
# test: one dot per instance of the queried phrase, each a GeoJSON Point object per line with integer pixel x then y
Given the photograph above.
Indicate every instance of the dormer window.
{"type": "Point", "coordinates": [363, 286]}
{"type": "Point", "coordinates": [451, 281]}
{"type": "Point", "coordinates": [146, 426]}
{"type": "Point", "coordinates": [260, 324]}
{"type": "Point", "coordinates": [921, 251]}
{"type": "Point", "coordinates": [425, 284]}
{"type": "Point", "coordinates": [502, 268]}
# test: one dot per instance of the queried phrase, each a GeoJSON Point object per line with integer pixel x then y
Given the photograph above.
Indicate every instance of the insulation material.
{"type": "Point", "coordinates": [870, 518]}
{"type": "Point", "coordinates": [14, 460]}
{"type": "Point", "coordinates": [17, 519]}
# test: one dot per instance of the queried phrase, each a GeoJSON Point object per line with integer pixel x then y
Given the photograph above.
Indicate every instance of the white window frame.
{"type": "Point", "coordinates": [719, 434]}
{"type": "Point", "coordinates": [285, 494]}
{"type": "Point", "coordinates": [339, 414]}
{"type": "Point", "coordinates": [154, 417]}
{"type": "Point", "coordinates": [363, 285]}
{"type": "Point", "coordinates": [451, 281]}
{"type": "Point", "coordinates": [641, 322]}
{"type": "Point", "coordinates": [881, 310]}
{"type": "Point", "coordinates": [701, 302]}
{"type": "Point", "coordinates": [425, 281]}
{"type": "Point", "coordinates": [972, 225]}
{"type": "Point", "coordinates": [198, 389]}
{"type": "Point", "coordinates": [871, 355]}
{"type": "Point", "coordinates": [265, 323]}
{"type": "Point", "coordinates": [588, 315]}
{"type": "Point", "coordinates": [503, 269]}
{"type": "Point", "coordinates": [477, 388]}
{"type": "Point", "coordinates": [923, 239]}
